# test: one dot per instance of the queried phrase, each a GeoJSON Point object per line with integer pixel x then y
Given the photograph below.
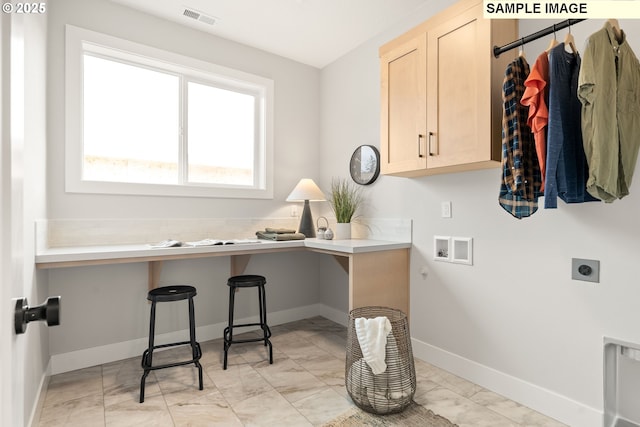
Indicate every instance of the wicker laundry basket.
{"type": "Point", "coordinates": [392, 390]}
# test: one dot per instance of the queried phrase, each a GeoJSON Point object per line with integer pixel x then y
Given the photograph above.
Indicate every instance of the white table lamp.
{"type": "Point", "coordinates": [306, 191]}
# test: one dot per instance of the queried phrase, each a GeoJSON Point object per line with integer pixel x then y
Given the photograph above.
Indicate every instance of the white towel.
{"type": "Point", "coordinates": [372, 336]}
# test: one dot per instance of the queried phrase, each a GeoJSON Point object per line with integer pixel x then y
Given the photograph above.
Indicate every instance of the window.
{"type": "Point", "coordinates": [145, 121]}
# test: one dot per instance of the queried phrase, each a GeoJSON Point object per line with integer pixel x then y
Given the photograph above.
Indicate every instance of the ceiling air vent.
{"type": "Point", "coordinates": [199, 16]}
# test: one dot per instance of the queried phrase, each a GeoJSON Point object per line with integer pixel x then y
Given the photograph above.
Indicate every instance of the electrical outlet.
{"type": "Point", "coordinates": [294, 211]}
{"type": "Point", "coordinates": [585, 269]}
{"type": "Point", "coordinates": [445, 209]}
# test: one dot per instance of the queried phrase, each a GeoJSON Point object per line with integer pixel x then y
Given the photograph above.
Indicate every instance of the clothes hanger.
{"type": "Point", "coordinates": [521, 52]}
{"type": "Point", "coordinates": [554, 42]}
{"type": "Point", "coordinates": [616, 29]}
{"type": "Point", "coordinates": [570, 41]}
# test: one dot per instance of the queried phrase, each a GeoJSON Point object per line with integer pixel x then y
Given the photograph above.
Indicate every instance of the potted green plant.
{"type": "Point", "coordinates": [345, 200]}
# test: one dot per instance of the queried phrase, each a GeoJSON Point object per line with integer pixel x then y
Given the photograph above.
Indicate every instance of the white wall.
{"type": "Point", "coordinates": [514, 321]}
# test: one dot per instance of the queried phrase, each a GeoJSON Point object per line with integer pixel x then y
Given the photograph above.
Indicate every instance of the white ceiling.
{"type": "Point", "coordinates": [314, 32]}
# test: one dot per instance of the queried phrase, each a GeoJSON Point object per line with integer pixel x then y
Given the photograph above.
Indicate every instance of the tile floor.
{"type": "Point", "coordinates": [303, 387]}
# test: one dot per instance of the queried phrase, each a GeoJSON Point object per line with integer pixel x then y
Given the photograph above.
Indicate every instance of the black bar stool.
{"type": "Point", "coordinates": [247, 281]}
{"type": "Point", "coordinates": [167, 294]}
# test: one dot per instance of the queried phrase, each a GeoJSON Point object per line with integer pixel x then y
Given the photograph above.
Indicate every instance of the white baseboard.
{"type": "Point", "coordinates": [93, 356]}
{"type": "Point", "coordinates": [334, 315]}
{"type": "Point", "coordinates": [545, 401]}
{"type": "Point", "coordinates": [36, 411]}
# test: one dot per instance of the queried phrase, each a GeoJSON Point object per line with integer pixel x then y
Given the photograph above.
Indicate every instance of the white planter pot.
{"type": "Point", "coordinates": [343, 230]}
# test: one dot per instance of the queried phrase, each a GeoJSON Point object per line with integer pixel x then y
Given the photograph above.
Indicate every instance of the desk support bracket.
{"type": "Point", "coordinates": [239, 264]}
{"type": "Point", "coordinates": [155, 267]}
{"type": "Point", "coordinates": [343, 261]}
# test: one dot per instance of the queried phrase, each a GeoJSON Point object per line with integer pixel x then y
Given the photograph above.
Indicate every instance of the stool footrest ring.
{"type": "Point", "coordinates": [148, 367]}
{"type": "Point", "coordinates": [263, 327]}
{"type": "Point", "coordinates": [245, 340]}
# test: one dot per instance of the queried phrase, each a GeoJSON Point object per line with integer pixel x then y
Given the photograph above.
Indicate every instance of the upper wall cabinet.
{"type": "Point", "coordinates": [404, 106]}
{"type": "Point", "coordinates": [441, 94]}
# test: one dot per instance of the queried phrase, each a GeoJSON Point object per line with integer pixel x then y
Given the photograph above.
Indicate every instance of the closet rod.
{"type": "Point", "coordinates": [531, 37]}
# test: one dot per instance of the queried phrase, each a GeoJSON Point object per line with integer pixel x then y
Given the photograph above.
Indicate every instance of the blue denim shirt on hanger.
{"type": "Point", "coordinates": [567, 169]}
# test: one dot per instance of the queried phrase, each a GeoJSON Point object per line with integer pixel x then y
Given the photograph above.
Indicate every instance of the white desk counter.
{"type": "Point", "coordinates": [353, 246]}
{"type": "Point", "coordinates": [113, 254]}
{"type": "Point", "coordinates": [378, 270]}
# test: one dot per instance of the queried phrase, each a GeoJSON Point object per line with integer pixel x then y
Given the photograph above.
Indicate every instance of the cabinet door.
{"type": "Point", "coordinates": [403, 107]}
{"type": "Point", "coordinates": [459, 91]}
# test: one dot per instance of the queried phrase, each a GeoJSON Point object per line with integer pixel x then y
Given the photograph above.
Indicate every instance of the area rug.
{"type": "Point", "coordinates": [414, 416]}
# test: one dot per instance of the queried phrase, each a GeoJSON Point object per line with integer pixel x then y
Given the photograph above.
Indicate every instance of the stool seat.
{"type": "Point", "coordinates": [247, 281]}
{"type": "Point", "coordinates": [169, 294]}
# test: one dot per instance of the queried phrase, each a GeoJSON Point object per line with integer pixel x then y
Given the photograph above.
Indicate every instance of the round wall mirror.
{"type": "Point", "coordinates": [365, 164]}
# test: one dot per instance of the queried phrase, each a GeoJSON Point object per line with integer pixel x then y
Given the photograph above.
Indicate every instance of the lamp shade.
{"type": "Point", "coordinates": [306, 190]}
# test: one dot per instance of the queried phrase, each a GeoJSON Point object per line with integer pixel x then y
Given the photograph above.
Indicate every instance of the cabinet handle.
{"type": "Point", "coordinates": [419, 146]}
{"type": "Point", "coordinates": [430, 138]}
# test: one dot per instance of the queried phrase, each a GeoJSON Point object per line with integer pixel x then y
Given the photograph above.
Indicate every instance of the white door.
{"type": "Point", "coordinates": [12, 276]}
{"type": "Point", "coordinates": [6, 288]}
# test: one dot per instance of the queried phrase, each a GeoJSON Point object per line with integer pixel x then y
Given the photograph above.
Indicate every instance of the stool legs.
{"type": "Point", "coordinates": [147, 356]}
{"type": "Point", "coordinates": [266, 332]}
{"type": "Point", "coordinates": [228, 331]}
{"type": "Point", "coordinates": [195, 346]}
{"type": "Point", "coordinates": [263, 321]}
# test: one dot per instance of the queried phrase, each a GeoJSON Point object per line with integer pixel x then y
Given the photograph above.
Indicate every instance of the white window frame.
{"type": "Point", "coordinates": [79, 40]}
